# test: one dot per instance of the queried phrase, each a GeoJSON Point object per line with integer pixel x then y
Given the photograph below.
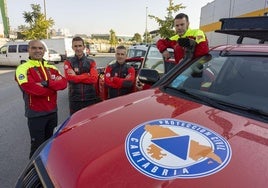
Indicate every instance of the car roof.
{"type": "Point", "coordinates": [249, 49]}
{"type": "Point", "coordinates": [52, 50]}
{"type": "Point", "coordinates": [141, 47]}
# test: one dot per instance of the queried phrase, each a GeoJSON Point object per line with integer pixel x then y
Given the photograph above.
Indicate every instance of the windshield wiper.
{"type": "Point", "coordinates": [250, 110]}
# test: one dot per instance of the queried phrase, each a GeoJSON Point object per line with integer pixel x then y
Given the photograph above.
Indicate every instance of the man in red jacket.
{"type": "Point", "coordinates": [39, 83]}
{"type": "Point", "coordinates": [82, 75]}
{"type": "Point", "coordinates": [185, 39]}
{"type": "Point", "coordinates": [119, 77]}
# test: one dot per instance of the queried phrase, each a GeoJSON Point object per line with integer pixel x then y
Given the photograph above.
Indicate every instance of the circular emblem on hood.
{"type": "Point", "coordinates": [169, 148]}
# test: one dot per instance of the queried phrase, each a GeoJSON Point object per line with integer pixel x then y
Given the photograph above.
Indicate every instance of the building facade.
{"type": "Point", "coordinates": [214, 11]}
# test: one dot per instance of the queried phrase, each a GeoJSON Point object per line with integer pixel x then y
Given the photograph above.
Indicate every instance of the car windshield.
{"type": "Point", "coordinates": [154, 60]}
{"type": "Point", "coordinates": [92, 48]}
{"type": "Point", "coordinates": [52, 51]}
{"type": "Point", "coordinates": [136, 53]}
{"type": "Point", "coordinates": [237, 82]}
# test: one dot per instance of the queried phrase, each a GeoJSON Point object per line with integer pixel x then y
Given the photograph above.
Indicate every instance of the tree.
{"type": "Point", "coordinates": [166, 26]}
{"type": "Point", "coordinates": [147, 37]}
{"type": "Point", "coordinates": [136, 38]}
{"type": "Point", "coordinates": [113, 39]}
{"type": "Point", "coordinates": [38, 24]}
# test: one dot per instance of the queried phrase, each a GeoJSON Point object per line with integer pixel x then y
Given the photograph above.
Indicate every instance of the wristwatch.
{"type": "Point", "coordinates": [44, 83]}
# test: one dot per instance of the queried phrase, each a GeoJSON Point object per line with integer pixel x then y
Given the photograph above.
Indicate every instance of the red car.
{"type": "Point", "coordinates": [203, 124]}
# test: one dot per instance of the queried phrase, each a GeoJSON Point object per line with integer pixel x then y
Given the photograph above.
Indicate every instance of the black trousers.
{"type": "Point", "coordinates": [41, 129]}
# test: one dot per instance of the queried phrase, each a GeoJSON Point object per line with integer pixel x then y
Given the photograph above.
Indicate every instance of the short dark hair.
{"type": "Point", "coordinates": [78, 39]}
{"type": "Point", "coordinates": [121, 47]}
{"type": "Point", "coordinates": [181, 16]}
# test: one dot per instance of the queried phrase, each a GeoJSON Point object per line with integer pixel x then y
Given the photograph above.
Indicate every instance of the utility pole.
{"type": "Point", "coordinates": [146, 31]}
{"type": "Point", "coordinates": [45, 13]}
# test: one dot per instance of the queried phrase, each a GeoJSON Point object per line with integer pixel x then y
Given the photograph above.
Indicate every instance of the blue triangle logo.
{"type": "Point", "coordinates": [176, 145]}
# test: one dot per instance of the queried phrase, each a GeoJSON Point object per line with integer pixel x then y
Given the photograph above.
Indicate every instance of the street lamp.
{"type": "Point", "coordinates": [146, 31]}
{"type": "Point", "coordinates": [45, 13]}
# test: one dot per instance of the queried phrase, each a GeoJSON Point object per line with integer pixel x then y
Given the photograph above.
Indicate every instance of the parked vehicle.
{"type": "Point", "coordinates": [62, 45]}
{"type": "Point", "coordinates": [14, 53]}
{"type": "Point", "coordinates": [203, 124]}
{"type": "Point", "coordinates": [91, 50]}
{"type": "Point", "coordinates": [54, 56]}
{"type": "Point", "coordinates": [137, 50]}
{"type": "Point", "coordinates": [154, 60]}
{"type": "Point", "coordinates": [111, 50]}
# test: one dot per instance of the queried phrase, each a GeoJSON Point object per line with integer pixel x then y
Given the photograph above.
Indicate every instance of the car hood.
{"type": "Point", "coordinates": [152, 139]}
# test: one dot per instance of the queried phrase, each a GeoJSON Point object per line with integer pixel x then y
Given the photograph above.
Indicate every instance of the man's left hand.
{"type": "Point", "coordinates": [45, 83]}
{"type": "Point", "coordinates": [71, 72]}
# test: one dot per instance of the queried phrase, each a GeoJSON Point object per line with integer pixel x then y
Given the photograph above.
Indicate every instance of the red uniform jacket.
{"type": "Point", "coordinates": [39, 100]}
{"type": "Point", "coordinates": [119, 79]}
{"type": "Point", "coordinates": [201, 47]}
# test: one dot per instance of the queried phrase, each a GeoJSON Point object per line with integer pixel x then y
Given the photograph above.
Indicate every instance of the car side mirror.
{"type": "Point", "coordinates": [148, 76]}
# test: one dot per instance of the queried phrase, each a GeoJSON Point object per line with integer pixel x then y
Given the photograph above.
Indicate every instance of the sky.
{"type": "Point", "coordinates": [125, 17]}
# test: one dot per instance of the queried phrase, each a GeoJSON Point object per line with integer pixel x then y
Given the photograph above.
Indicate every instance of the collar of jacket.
{"type": "Point", "coordinates": [77, 58]}
{"type": "Point", "coordinates": [37, 62]}
{"type": "Point", "coordinates": [189, 32]}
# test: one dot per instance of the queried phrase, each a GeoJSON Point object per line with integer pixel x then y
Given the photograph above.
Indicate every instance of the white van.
{"type": "Point", "coordinates": [14, 53]}
{"type": "Point", "coordinates": [137, 50]}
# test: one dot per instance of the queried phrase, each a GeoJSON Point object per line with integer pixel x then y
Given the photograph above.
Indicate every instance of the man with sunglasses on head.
{"type": "Point", "coordinates": [39, 83]}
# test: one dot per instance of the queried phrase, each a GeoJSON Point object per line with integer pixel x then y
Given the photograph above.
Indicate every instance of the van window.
{"type": "Point", "coordinates": [23, 48]}
{"type": "Point", "coordinates": [3, 50]}
{"type": "Point", "coordinates": [12, 49]}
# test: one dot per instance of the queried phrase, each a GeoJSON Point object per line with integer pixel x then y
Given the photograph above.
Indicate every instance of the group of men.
{"type": "Point", "coordinates": [39, 81]}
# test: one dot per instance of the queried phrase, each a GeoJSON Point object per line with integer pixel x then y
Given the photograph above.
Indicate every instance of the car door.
{"type": "Point", "coordinates": [12, 55]}
{"type": "Point", "coordinates": [3, 56]}
{"type": "Point", "coordinates": [22, 54]}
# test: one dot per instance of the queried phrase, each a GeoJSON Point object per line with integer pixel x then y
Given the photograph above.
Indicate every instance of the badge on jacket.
{"type": "Point", "coordinates": [21, 76]}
